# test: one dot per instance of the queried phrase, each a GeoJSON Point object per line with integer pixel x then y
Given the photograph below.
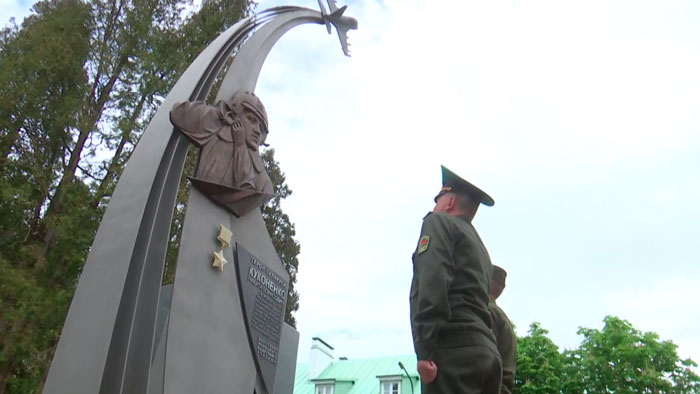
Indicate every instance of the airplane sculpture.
{"type": "Point", "coordinates": [342, 23]}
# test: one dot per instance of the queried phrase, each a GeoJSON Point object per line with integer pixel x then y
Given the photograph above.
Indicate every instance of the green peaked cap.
{"type": "Point", "coordinates": [451, 182]}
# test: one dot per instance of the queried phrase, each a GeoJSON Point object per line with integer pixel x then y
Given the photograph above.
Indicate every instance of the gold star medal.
{"type": "Point", "coordinates": [224, 236]}
{"type": "Point", "coordinates": [224, 239]}
{"type": "Point", "coordinates": [219, 260]}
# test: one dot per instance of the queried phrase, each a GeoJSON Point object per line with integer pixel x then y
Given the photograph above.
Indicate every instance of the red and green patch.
{"type": "Point", "coordinates": [423, 243]}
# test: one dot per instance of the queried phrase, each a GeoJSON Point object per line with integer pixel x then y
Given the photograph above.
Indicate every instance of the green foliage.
{"type": "Point", "coordinates": [31, 316]}
{"type": "Point", "coordinates": [79, 81]}
{"type": "Point", "coordinates": [539, 363]}
{"type": "Point", "coordinates": [43, 80]}
{"type": "Point", "coordinates": [76, 228]}
{"type": "Point", "coordinates": [616, 359]}
{"type": "Point", "coordinates": [621, 359]}
{"type": "Point", "coordinates": [17, 200]}
{"type": "Point", "coordinates": [178, 220]}
{"type": "Point", "coordinates": [281, 231]}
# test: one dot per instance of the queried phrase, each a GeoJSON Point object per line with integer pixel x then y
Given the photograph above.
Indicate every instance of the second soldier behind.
{"type": "Point", "coordinates": [506, 342]}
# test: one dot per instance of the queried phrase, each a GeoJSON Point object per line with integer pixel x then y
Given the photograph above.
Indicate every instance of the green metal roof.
{"type": "Point", "coordinates": [362, 372]}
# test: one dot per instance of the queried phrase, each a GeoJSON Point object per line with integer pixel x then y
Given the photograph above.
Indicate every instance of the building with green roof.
{"type": "Point", "coordinates": [381, 375]}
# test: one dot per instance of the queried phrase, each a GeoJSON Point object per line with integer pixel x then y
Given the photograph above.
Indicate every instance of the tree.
{"type": "Point", "coordinates": [621, 359]}
{"type": "Point", "coordinates": [539, 363]}
{"type": "Point", "coordinates": [616, 359]}
{"type": "Point", "coordinates": [41, 84]}
{"type": "Point", "coordinates": [31, 316]}
{"type": "Point", "coordinates": [282, 231]}
{"type": "Point", "coordinates": [79, 82]}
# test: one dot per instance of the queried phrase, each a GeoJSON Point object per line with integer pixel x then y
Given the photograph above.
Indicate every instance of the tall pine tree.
{"type": "Point", "coordinates": [79, 82]}
{"type": "Point", "coordinates": [282, 231]}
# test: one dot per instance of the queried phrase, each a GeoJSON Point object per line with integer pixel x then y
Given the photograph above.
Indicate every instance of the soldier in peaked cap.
{"type": "Point", "coordinates": [449, 299]}
{"type": "Point", "coordinates": [506, 342]}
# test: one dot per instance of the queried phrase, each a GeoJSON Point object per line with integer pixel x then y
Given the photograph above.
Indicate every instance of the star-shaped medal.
{"type": "Point", "coordinates": [224, 239]}
{"type": "Point", "coordinates": [224, 236]}
{"type": "Point", "coordinates": [219, 260]}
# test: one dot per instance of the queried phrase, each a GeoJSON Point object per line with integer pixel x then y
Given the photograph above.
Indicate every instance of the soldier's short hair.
{"type": "Point", "coordinates": [465, 202]}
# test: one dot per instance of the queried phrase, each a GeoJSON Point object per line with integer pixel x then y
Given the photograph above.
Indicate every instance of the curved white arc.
{"type": "Point", "coordinates": [245, 69]}
{"type": "Point", "coordinates": [82, 349]}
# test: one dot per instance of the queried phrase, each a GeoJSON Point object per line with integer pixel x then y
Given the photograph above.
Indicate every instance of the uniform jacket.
{"type": "Point", "coordinates": [506, 343]}
{"type": "Point", "coordinates": [449, 293]}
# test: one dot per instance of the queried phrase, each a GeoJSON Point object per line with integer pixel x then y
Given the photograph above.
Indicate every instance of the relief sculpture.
{"type": "Point", "coordinates": [230, 170]}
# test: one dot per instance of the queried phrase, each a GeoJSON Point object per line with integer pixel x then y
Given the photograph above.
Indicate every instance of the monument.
{"type": "Point", "coordinates": [219, 328]}
{"type": "Point", "coordinates": [230, 170]}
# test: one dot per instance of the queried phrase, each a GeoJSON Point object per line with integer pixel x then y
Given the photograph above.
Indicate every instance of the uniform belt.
{"type": "Point", "coordinates": [458, 338]}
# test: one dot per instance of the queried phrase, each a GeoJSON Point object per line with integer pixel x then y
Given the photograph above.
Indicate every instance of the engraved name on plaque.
{"type": "Point", "coordinates": [264, 296]}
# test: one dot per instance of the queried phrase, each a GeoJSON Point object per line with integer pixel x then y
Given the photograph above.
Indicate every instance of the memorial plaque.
{"type": "Point", "coordinates": [263, 297]}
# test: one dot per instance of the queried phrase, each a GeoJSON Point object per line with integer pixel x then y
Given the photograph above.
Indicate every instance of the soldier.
{"type": "Point", "coordinates": [502, 330]}
{"type": "Point", "coordinates": [450, 320]}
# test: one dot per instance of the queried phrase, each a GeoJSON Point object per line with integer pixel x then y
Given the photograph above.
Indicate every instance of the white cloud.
{"type": "Point", "coordinates": [14, 9]}
{"type": "Point", "coordinates": [579, 118]}
{"type": "Point", "coordinates": [582, 129]}
{"type": "Point", "coordinates": [668, 307]}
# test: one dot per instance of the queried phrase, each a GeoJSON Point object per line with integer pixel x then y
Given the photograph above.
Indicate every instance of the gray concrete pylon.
{"type": "Point", "coordinates": [106, 342]}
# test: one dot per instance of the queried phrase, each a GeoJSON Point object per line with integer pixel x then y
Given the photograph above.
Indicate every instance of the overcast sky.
{"type": "Point", "coordinates": [579, 118]}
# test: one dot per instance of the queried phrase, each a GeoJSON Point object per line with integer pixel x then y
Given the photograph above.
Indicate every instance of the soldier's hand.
{"type": "Point", "coordinates": [427, 370]}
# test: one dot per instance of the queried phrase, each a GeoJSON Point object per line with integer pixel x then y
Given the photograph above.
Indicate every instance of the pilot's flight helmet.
{"type": "Point", "coordinates": [252, 102]}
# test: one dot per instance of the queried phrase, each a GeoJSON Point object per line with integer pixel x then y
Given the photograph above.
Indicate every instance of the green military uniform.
{"type": "Point", "coordinates": [506, 343]}
{"type": "Point", "coordinates": [449, 307]}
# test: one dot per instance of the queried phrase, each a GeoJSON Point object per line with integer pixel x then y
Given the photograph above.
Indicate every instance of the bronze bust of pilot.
{"type": "Point", "coordinates": [230, 170]}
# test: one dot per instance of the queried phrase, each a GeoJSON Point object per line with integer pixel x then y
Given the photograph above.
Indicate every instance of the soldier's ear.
{"type": "Point", "coordinates": [451, 202]}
